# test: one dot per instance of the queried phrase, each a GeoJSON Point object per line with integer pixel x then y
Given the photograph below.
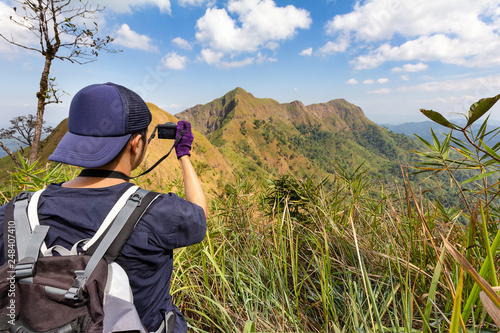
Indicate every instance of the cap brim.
{"type": "Point", "coordinates": [88, 151]}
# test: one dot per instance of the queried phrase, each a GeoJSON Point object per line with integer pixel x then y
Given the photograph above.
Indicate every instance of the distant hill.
{"type": "Point", "coordinates": [423, 129]}
{"type": "Point", "coordinates": [260, 136]}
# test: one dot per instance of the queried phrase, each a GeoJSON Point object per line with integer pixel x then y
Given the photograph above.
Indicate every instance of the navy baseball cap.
{"type": "Point", "coordinates": [102, 117]}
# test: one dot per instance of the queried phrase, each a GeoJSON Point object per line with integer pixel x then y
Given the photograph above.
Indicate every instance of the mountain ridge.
{"type": "Point", "coordinates": [238, 134]}
{"type": "Point", "coordinates": [292, 136]}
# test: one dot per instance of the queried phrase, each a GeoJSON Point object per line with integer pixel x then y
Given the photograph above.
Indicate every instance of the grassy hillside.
{"type": "Point", "coordinates": [207, 160]}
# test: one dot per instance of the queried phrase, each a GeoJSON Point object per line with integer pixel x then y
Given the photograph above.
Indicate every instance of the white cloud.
{"type": "Point", "coordinates": [182, 43]}
{"type": "Point", "coordinates": [248, 26]}
{"type": "Point", "coordinates": [14, 31]}
{"type": "Point", "coordinates": [340, 45]}
{"type": "Point", "coordinates": [404, 77]}
{"type": "Point", "coordinates": [262, 58]}
{"type": "Point", "coordinates": [383, 80]}
{"type": "Point", "coordinates": [131, 39]}
{"type": "Point", "coordinates": [174, 61]}
{"type": "Point", "coordinates": [306, 52]}
{"type": "Point", "coordinates": [215, 58]}
{"type": "Point", "coordinates": [380, 91]}
{"type": "Point", "coordinates": [368, 81]}
{"type": "Point", "coordinates": [126, 6]}
{"type": "Point", "coordinates": [450, 100]}
{"type": "Point", "coordinates": [463, 32]}
{"type": "Point", "coordinates": [211, 57]}
{"type": "Point", "coordinates": [352, 81]}
{"type": "Point", "coordinates": [411, 68]}
{"type": "Point", "coordinates": [237, 64]}
{"type": "Point", "coordinates": [483, 86]}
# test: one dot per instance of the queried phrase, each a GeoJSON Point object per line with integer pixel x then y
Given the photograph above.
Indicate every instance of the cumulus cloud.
{"type": "Point", "coordinates": [248, 26]}
{"type": "Point", "coordinates": [368, 81]}
{"type": "Point", "coordinates": [174, 61]}
{"type": "Point", "coordinates": [215, 58]}
{"type": "Point", "coordinates": [128, 38]}
{"type": "Point", "coordinates": [352, 81]}
{"type": "Point", "coordinates": [463, 33]}
{"type": "Point", "coordinates": [182, 43]}
{"type": "Point", "coordinates": [411, 68]}
{"type": "Point", "coordinates": [126, 6]}
{"type": "Point", "coordinates": [340, 45]}
{"type": "Point", "coordinates": [306, 52]}
{"type": "Point", "coordinates": [383, 80]}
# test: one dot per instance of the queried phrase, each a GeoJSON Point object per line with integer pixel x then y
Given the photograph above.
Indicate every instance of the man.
{"type": "Point", "coordinates": [107, 137]}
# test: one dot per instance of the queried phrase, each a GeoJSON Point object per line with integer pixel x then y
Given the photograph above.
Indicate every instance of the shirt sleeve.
{"type": "Point", "coordinates": [173, 222]}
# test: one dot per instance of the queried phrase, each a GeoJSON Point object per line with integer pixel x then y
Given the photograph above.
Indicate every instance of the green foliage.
{"type": "Point", "coordinates": [479, 206]}
{"type": "Point", "coordinates": [34, 177]}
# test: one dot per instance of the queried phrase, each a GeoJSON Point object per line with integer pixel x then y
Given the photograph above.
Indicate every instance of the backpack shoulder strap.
{"type": "Point", "coordinates": [147, 198]}
{"type": "Point", "coordinates": [28, 239]}
{"type": "Point", "coordinates": [111, 243]}
{"type": "Point", "coordinates": [23, 228]}
{"type": "Point", "coordinates": [118, 206]}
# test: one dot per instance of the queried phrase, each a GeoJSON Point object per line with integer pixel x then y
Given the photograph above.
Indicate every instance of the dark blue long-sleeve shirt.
{"type": "Point", "coordinates": [171, 222]}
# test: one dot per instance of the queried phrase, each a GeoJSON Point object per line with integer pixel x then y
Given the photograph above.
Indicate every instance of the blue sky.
{"type": "Point", "coordinates": [390, 57]}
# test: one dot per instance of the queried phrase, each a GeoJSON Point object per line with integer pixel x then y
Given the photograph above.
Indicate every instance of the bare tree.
{"type": "Point", "coordinates": [22, 130]}
{"type": "Point", "coordinates": [63, 33]}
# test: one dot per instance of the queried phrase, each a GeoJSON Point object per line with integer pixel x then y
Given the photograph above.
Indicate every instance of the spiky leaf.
{"type": "Point", "coordinates": [438, 118]}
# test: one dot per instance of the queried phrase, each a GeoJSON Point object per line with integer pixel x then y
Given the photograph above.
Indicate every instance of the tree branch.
{"type": "Point", "coordinates": [14, 158]}
{"type": "Point", "coordinates": [464, 132]}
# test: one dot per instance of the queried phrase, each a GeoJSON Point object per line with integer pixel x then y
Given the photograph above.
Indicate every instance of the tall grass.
{"type": "Point", "coordinates": [316, 256]}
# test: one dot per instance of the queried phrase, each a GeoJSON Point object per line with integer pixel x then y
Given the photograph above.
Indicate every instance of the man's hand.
{"type": "Point", "coordinates": [184, 146]}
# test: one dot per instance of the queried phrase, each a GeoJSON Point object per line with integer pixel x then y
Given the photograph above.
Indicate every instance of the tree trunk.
{"type": "Point", "coordinates": [7, 150]}
{"type": "Point", "coordinates": [41, 96]}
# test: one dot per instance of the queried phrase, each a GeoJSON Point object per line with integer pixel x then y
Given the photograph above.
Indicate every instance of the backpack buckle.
{"type": "Point", "coordinates": [25, 268]}
{"type": "Point", "coordinates": [137, 198]}
{"type": "Point", "coordinates": [22, 196]}
{"type": "Point", "coordinates": [75, 292]}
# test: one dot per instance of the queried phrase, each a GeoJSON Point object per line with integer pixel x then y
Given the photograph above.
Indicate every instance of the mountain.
{"type": "Point", "coordinates": [259, 136]}
{"type": "Point", "coordinates": [239, 134]}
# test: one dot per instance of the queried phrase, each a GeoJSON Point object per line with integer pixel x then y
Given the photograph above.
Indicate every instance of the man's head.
{"type": "Point", "coordinates": [102, 119]}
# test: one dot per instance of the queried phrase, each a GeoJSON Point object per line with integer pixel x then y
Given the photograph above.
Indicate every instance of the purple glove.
{"type": "Point", "coordinates": [184, 145]}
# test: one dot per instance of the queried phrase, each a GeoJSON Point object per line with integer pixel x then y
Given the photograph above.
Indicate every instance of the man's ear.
{"type": "Point", "coordinates": [136, 144]}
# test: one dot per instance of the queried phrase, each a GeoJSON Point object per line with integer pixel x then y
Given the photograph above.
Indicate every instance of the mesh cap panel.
{"type": "Point", "coordinates": [139, 116]}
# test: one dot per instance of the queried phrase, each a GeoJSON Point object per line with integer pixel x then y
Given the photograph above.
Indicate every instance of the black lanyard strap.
{"type": "Point", "coordinates": [120, 175]}
{"type": "Point", "coordinates": [103, 174]}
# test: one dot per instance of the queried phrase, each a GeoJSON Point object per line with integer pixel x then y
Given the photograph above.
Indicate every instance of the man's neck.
{"type": "Point", "coordinates": [96, 178]}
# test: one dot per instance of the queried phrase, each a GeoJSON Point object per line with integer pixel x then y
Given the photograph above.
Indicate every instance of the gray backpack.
{"type": "Point", "coordinates": [69, 292]}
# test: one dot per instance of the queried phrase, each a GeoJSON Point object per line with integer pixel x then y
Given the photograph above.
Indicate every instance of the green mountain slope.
{"type": "Point", "coordinates": [260, 136]}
